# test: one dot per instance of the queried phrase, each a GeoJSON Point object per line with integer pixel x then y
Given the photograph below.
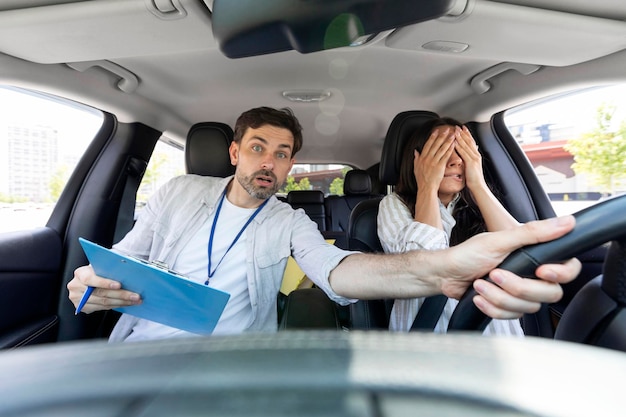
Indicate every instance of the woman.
{"type": "Point", "coordinates": [441, 199]}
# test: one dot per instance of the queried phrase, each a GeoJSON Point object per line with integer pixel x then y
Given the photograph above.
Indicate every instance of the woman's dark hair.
{"type": "Point", "coordinates": [261, 116]}
{"type": "Point", "coordinates": [469, 221]}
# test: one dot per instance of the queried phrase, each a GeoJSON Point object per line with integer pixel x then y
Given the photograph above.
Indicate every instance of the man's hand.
{"type": "Point", "coordinates": [107, 294]}
{"type": "Point", "coordinates": [513, 295]}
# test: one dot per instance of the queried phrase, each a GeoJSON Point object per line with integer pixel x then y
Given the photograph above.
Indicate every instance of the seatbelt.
{"type": "Point", "coordinates": [135, 169]}
{"type": "Point", "coordinates": [429, 313]}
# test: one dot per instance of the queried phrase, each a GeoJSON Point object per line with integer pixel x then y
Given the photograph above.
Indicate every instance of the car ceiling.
{"type": "Point", "coordinates": [157, 62]}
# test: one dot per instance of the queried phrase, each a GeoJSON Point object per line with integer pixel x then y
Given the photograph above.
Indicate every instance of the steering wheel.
{"type": "Point", "coordinates": [595, 225]}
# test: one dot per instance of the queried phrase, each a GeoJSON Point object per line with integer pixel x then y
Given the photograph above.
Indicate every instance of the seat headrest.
{"type": "Point", "coordinates": [400, 129]}
{"type": "Point", "coordinates": [305, 197]}
{"type": "Point", "coordinates": [206, 150]}
{"type": "Point", "coordinates": [357, 182]}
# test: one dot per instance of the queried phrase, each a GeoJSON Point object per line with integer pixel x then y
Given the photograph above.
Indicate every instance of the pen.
{"type": "Point", "coordinates": [84, 299]}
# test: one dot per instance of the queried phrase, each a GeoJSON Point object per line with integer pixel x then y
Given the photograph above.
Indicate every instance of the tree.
{"type": "Point", "coordinates": [336, 186]}
{"type": "Point", "coordinates": [291, 184]}
{"type": "Point", "coordinates": [58, 181]}
{"type": "Point", "coordinates": [601, 152]}
{"type": "Point", "coordinates": [151, 177]}
{"type": "Point", "coordinates": [4, 198]}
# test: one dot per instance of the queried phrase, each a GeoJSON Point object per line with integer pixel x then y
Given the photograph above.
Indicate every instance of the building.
{"type": "Point", "coordinates": [32, 159]}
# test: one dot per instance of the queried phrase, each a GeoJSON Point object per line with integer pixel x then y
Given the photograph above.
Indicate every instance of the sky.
{"type": "Point", "coordinates": [75, 126]}
{"type": "Point", "coordinates": [578, 110]}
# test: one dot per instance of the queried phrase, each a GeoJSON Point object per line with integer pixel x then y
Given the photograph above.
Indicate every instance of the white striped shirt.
{"type": "Point", "coordinates": [399, 232]}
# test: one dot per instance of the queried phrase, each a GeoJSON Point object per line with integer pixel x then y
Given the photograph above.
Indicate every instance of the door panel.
{"type": "Point", "coordinates": [29, 265]}
{"type": "Point", "coordinates": [96, 216]}
{"type": "Point", "coordinates": [36, 265]}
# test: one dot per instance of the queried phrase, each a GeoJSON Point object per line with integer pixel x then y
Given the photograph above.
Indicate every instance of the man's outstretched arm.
{"type": "Point", "coordinates": [451, 271]}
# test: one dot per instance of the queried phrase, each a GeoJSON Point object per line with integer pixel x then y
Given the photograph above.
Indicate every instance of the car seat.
{"type": "Point", "coordinates": [312, 202]}
{"type": "Point", "coordinates": [206, 150]}
{"type": "Point", "coordinates": [357, 186]}
{"type": "Point", "coordinates": [362, 229]}
{"type": "Point", "coordinates": [597, 315]}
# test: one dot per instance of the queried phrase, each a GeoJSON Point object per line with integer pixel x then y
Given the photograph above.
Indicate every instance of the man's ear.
{"type": "Point", "coordinates": [233, 151]}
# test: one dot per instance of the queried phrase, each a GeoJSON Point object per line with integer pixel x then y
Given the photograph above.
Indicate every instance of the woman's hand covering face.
{"type": "Point", "coordinates": [467, 149]}
{"type": "Point", "coordinates": [429, 166]}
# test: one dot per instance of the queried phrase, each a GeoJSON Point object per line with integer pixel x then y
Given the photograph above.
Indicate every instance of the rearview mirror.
{"type": "Point", "coordinates": [255, 27]}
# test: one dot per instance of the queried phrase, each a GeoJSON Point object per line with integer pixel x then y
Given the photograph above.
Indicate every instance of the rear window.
{"type": "Point", "coordinates": [325, 177]}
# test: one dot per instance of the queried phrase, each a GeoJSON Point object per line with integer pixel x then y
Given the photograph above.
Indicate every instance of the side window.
{"type": "Point", "coordinates": [325, 177]}
{"type": "Point", "coordinates": [41, 140]}
{"type": "Point", "coordinates": [167, 161]}
{"type": "Point", "coordinates": [576, 143]}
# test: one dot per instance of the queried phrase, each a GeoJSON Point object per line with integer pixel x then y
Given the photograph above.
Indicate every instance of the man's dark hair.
{"type": "Point", "coordinates": [260, 116]}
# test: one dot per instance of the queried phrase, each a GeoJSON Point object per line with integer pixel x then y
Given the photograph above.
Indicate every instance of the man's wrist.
{"type": "Point", "coordinates": [428, 268]}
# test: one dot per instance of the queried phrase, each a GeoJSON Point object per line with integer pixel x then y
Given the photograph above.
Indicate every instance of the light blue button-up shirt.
{"type": "Point", "coordinates": [176, 211]}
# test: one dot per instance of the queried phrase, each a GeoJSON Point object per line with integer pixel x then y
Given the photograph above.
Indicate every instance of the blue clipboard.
{"type": "Point", "coordinates": [168, 298]}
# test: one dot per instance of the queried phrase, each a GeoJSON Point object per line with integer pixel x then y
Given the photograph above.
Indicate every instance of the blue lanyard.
{"type": "Point", "coordinates": [210, 250]}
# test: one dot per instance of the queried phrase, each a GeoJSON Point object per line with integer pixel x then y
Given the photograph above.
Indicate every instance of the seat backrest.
{"type": "Point", "coordinates": [312, 202]}
{"type": "Point", "coordinates": [362, 224]}
{"type": "Point", "coordinates": [362, 236]}
{"type": "Point", "coordinates": [309, 308]}
{"type": "Point", "coordinates": [206, 150]}
{"type": "Point", "coordinates": [362, 228]}
{"type": "Point", "coordinates": [399, 132]}
{"type": "Point", "coordinates": [378, 187]}
{"type": "Point", "coordinates": [597, 313]}
{"type": "Point", "coordinates": [357, 186]}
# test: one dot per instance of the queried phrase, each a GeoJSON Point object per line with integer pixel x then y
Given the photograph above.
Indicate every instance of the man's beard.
{"type": "Point", "coordinates": [262, 193]}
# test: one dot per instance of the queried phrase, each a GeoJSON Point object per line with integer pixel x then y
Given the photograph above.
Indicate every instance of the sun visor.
{"type": "Point", "coordinates": [54, 33]}
{"type": "Point", "coordinates": [251, 27]}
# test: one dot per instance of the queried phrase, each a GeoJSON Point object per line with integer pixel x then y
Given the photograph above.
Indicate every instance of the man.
{"type": "Point", "coordinates": [235, 235]}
